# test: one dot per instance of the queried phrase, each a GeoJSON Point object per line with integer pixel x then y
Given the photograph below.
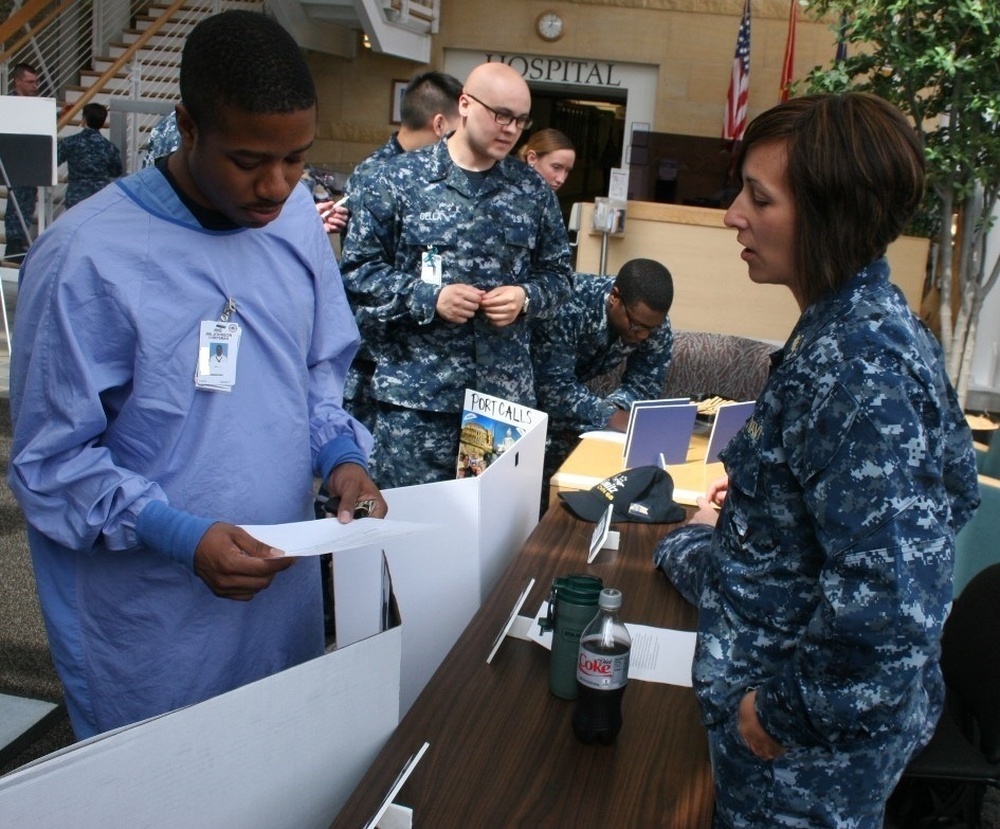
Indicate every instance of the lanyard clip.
{"type": "Point", "coordinates": [228, 310]}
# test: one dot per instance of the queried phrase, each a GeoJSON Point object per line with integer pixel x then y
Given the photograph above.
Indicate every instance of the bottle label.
{"type": "Point", "coordinates": [605, 672]}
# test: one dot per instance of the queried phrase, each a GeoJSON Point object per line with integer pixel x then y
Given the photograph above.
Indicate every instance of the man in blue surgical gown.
{"type": "Point", "coordinates": [134, 457]}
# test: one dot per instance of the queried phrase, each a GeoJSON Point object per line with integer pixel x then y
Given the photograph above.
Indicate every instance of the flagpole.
{"type": "Point", "coordinates": [841, 39]}
{"type": "Point", "coordinates": [788, 65]}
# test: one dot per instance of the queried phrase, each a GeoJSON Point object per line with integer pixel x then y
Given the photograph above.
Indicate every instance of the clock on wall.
{"type": "Point", "coordinates": [549, 26]}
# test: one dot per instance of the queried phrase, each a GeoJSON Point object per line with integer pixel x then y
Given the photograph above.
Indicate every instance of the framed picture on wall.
{"type": "Point", "coordinates": [396, 105]}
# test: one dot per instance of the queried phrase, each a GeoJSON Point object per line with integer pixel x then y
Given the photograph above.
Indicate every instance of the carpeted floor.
{"type": "Point", "coordinates": [25, 665]}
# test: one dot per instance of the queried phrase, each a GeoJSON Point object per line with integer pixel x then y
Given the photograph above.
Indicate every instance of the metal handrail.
{"type": "Point", "coordinates": [42, 25]}
{"type": "Point", "coordinates": [17, 20]}
{"type": "Point", "coordinates": [55, 51]}
{"type": "Point", "coordinates": [126, 41]}
{"type": "Point", "coordinates": [118, 63]}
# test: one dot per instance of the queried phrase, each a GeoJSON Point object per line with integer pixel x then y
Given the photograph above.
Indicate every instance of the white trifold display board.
{"type": "Point", "coordinates": [442, 575]}
{"type": "Point", "coordinates": [288, 750]}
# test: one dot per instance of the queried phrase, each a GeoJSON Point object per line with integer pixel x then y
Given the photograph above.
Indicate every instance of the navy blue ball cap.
{"type": "Point", "coordinates": [643, 494]}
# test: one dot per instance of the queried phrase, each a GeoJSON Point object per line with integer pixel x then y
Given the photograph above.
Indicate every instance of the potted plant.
{"type": "Point", "coordinates": [940, 64]}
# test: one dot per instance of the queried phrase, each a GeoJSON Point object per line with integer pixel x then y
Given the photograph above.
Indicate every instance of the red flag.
{"type": "Point", "coordinates": [788, 67]}
{"type": "Point", "coordinates": [739, 83]}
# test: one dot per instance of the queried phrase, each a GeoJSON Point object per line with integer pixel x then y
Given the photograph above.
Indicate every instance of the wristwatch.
{"type": "Point", "coordinates": [527, 302]}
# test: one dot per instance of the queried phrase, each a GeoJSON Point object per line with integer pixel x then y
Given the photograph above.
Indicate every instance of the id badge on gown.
{"type": "Point", "coordinates": [218, 351]}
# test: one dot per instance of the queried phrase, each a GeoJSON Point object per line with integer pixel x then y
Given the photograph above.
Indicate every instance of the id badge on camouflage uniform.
{"type": "Point", "coordinates": [430, 266]}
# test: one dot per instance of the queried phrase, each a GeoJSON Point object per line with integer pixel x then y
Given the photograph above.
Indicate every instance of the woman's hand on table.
{"type": "Point", "coordinates": [709, 503]}
{"type": "Point", "coordinates": [705, 514]}
{"type": "Point", "coordinates": [717, 490]}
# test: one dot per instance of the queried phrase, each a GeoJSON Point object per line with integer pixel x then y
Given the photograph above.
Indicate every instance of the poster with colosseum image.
{"type": "Point", "coordinates": [490, 427]}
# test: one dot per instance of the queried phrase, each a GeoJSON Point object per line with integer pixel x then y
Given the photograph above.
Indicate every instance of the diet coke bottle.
{"type": "Point", "coordinates": [602, 672]}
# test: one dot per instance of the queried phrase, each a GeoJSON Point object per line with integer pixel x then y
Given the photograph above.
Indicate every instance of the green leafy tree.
{"type": "Point", "coordinates": [939, 62]}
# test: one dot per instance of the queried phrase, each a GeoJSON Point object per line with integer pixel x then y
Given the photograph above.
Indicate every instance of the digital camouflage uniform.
{"type": "Point", "coordinates": [357, 396]}
{"type": "Point", "coordinates": [164, 138]}
{"type": "Point", "coordinates": [828, 578]}
{"type": "Point", "coordinates": [509, 232]}
{"type": "Point", "coordinates": [27, 199]}
{"type": "Point", "coordinates": [578, 345]}
{"type": "Point", "coordinates": [92, 162]}
{"type": "Point", "coordinates": [390, 149]}
{"type": "Point", "coordinates": [14, 235]}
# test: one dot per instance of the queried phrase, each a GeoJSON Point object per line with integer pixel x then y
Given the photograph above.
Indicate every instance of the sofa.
{"type": "Point", "coordinates": [706, 364]}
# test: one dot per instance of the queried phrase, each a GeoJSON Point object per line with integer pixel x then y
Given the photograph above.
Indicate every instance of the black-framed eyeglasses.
{"type": "Point", "coordinates": [504, 119]}
{"type": "Point", "coordinates": [634, 326]}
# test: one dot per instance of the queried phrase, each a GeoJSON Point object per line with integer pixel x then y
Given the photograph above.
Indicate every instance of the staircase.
{"type": "Point", "coordinates": [139, 89]}
{"type": "Point", "coordinates": [143, 87]}
{"type": "Point", "coordinates": [137, 92]}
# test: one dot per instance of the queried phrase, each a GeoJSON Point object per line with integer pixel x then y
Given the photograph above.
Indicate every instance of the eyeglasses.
{"type": "Point", "coordinates": [634, 326]}
{"type": "Point", "coordinates": [504, 119]}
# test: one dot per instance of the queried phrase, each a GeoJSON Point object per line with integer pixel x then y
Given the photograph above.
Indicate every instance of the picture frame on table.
{"type": "Point", "coordinates": [396, 102]}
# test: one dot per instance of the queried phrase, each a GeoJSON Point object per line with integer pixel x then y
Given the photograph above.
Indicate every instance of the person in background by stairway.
{"type": "Point", "coordinates": [25, 84]}
{"type": "Point", "coordinates": [91, 160]}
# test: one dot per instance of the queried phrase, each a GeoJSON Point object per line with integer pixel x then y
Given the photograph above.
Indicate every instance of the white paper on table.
{"type": "Point", "coordinates": [658, 654]}
{"type": "Point", "coordinates": [605, 434]}
{"type": "Point", "coordinates": [510, 621]}
{"type": "Point", "coordinates": [325, 535]}
{"type": "Point", "coordinates": [661, 654]}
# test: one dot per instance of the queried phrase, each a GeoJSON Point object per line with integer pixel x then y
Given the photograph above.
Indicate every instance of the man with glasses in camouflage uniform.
{"type": "Point", "coordinates": [451, 250]}
{"type": "Point", "coordinates": [607, 322]}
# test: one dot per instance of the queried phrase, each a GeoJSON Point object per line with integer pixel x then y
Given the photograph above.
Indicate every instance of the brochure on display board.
{"type": "Point", "coordinates": [490, 427]}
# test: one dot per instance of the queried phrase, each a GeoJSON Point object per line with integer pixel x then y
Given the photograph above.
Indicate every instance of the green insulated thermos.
{"type": "Point", "coordinates": [572, 604]}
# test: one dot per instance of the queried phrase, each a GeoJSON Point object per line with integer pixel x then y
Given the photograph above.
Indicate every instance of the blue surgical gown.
{"type": "Point", "coordinates": [108, 419]}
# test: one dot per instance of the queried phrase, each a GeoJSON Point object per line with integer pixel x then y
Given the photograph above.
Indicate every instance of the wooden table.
{"type": "Point", "coordinates": [502, 751]}
{"type": "Point", "coordinates": [595, 459]}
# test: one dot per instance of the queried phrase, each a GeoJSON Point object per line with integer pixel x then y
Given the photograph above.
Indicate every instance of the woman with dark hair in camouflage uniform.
{"type": "Point", "coordinates": [824, 582]}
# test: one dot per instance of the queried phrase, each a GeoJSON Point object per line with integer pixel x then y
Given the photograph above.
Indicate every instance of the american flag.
{"type": "Point", "coordinates": [739, 83]}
